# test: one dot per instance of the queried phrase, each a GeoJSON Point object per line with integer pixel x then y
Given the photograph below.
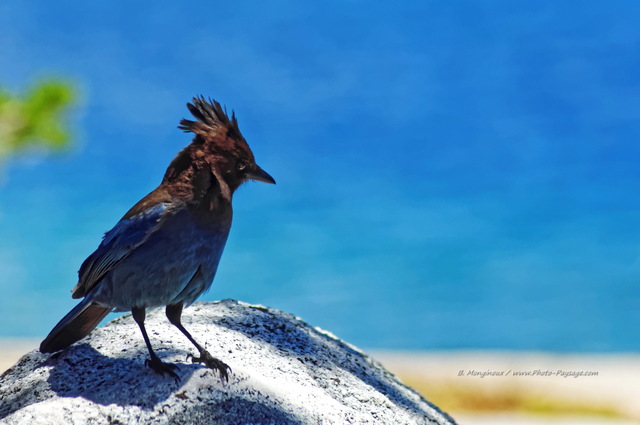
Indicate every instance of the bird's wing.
{"type": "Point", "coordinates": [118, 243]}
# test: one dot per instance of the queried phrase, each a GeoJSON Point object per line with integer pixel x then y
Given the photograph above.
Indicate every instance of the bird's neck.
{"type": "Point", "coordinates": [202, 186]}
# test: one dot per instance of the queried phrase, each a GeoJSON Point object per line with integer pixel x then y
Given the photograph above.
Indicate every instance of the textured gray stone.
{"type": "Point", "coordinates": [283, 372]}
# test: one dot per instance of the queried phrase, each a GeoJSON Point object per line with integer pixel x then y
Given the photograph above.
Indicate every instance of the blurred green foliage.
{"type": "Point", "coordinates": [37, 119]}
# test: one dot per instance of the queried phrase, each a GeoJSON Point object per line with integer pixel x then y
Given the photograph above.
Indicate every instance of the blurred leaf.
{"type": "Point", "coordinates": [37, 120]}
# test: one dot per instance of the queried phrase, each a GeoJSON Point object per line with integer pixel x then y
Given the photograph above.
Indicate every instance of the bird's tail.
{"type": "Point", "coordinates": [74, 326]}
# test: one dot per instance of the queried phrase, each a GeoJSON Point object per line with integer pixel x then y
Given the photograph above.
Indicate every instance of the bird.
{"type": "Point", "coordinates": [164, 252]}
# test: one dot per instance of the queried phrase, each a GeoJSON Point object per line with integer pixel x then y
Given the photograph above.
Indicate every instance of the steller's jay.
{"type": "Point", "coordinates": [166, 249]}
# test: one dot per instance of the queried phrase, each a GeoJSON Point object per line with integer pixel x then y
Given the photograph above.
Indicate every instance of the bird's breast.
{"type": "Point", "coordinates": [158, 272]}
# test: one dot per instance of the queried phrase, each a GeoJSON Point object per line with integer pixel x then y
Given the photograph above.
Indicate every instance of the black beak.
{"type": "Point", "coordinates": [258, 174]}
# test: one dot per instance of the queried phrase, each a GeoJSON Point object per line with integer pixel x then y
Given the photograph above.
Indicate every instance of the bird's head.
{"type": "Point", "coordinates": [219, 144]}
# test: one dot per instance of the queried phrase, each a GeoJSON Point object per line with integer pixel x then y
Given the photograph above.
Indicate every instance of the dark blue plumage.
{"type": "Point", "coordinates": [165, 251]}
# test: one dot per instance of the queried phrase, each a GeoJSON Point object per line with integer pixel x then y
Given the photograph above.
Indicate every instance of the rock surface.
{"type": "Point", "coordinates": [283, 372]}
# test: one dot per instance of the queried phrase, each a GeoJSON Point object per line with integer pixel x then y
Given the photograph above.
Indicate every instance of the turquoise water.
{"type": "Point", "coordinates": [455, 175]}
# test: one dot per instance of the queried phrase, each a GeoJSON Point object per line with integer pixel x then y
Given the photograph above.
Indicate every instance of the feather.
{"type": "Point", "coordinates": [74, 326]}
{"type": "Point", "coordinates": [116, 245]}
{"type": "Point", "coordinates": [210, 116]}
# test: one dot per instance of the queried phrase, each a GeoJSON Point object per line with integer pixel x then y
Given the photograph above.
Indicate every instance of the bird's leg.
{"type": "Point", "coordinates": [154, 361]}
{"type": "Point", "coordinates": [174, 313]}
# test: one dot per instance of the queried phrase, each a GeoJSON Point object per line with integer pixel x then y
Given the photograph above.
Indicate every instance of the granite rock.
{"type": "Point", "coordinates": [283, 372]}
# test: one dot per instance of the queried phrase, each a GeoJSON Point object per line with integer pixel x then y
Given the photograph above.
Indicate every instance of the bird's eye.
{"type": "Point", "coordinates": [242, 165]}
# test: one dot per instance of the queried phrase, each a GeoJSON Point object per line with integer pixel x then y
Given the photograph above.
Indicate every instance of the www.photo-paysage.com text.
{"type": "Point", "coordinates": [536, 372]}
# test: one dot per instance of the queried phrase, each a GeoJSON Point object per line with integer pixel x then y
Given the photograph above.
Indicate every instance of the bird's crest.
{"type": "Point", "coordinates": [211, 119]}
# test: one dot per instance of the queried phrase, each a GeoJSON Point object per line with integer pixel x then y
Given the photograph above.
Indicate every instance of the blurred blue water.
{"type": "Point", "coordinates": [450, 174]}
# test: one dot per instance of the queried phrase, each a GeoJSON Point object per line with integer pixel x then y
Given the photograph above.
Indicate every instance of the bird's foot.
{"type": "Point", "coordinates": [212, 363]}
{"type": "Point", "coordinates": [163, 368]}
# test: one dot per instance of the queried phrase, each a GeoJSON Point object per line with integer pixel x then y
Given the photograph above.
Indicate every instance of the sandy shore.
{"type": "Point", "coordinates": [496, 388]}
{"type": "Point", "coordinates": [482, 388]}
{"type": "Point", "coordinates": [12, 349]}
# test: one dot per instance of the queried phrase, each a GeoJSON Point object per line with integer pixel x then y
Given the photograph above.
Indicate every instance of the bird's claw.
{"type": "Point", "coordinates": [212, 363]}
{"type": "Point", "coordinates": [163, 368]}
